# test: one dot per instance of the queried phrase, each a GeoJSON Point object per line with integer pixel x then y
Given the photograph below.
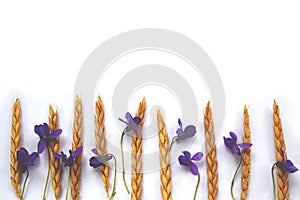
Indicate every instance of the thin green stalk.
{"type": "Point", "coordinates": [173, 141]}
{"type": "Point", "coordinates": [123, 168]}
{"type": "Point", "coordinates": [233, 179]}
{"type": "Point", "coordinates": [68, 184]}
{"type": "Point", "coordinates": [24, 184]}
{"type": "Point", "coordinates": [47, 179]}
{"type": "Point", "coordinates": [273, 180]}
{"type": "Point", "coordinates": [113, 192]}
{"type": "Point", "coordinates": [197, 186]}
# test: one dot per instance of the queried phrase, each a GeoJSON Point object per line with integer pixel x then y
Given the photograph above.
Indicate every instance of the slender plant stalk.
{"type": "Point", "coordinates": [246, 155]}
{"type": "Point", "coordinates": [77, 142]}
{"type": "Point", "coordinates": [113, 192]}
{"type": "Point", "coordinates": [282, 177]}
{"type": "Point", "coordinates": [172, 142]}
{"type": "Point", "coordinates": [136, 156]}
{"type": "Point", "coordinates": [197, 186]}
{"type": "Point", "coordinates": [47, 178]}
{"type": "Point", "coordinates": [211, 154]}
{"type": "Point", "coordinates": [15, 141]}
{"type": "Point", "coordinates": [273, 181]}
{"type": "Point", "coordinates": [68, 184]}
{"type": "Point", "coordinates": [164, 159]}
{"type": "Point", "coordinates": [233, 179]}
{"type": "Point", "coordinates": [24, 184]}
{"type": "Point", "coordinates": [123, 165]}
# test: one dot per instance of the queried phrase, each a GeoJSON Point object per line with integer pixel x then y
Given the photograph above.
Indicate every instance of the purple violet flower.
{"type": "Point", "coordinates": [97, 161]}
{"type": "Point", "coordinates": [25, 159]}
{"type": "Point", "coordinates": [286, 165]}
{"type": "Point", "coordinates": [231, 144]}
{"type": "Point", "coordinates": [43, 131]}
{"type": "Point", "coordinates": [131, 122]}
{"type": "Point", "coordinates": [69, 161]}
{"type": "Point", "coordinates": [187, 132]}
{"type": "Point", "coordinates": [187, 160]}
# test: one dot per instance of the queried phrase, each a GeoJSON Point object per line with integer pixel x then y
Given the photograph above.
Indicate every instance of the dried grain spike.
{"type": "Point", "coordinates": [246, 155]}
{"type": "Point", "coordinates": [54, 147]}
{"type": "Point", "coordinates": [136, 156]}
{"type": "Point", "coordinates": [164, 159]}
{"type": "Point", "coordinates": [101, 141]}
{"type": "Point", "coordinates": [211, 156]}
{"type": "Point", "coordinates": [15, 141]}
{"type": "Point", "coordinates": [282, 178]}
{"type": "Point", "coordinates": [77, 142]}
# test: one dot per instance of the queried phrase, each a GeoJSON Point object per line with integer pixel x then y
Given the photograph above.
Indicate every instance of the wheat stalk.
{"type": "Point", "coordinates": [211, 156]}
{"type": "Point", "coordinates": [101, 141]}
{"type": "Point", "coordinates": [136, 156]}
{"type": "Point", "coordinates": [246, 155]}
{"type": "Point", "coordinates": [164, 159]}
{"type": "Point", "coordinates": [77, 142]}
{"type": "Point", "coordinates": [15, 141]}
{"type": "Point", "coordinates": [282, 178]}
{"type": "Point", "coordinates": [54, 147]}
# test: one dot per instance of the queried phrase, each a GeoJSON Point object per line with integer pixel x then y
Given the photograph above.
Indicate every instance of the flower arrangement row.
{"type": "Point", "coordinates": [49, 143]}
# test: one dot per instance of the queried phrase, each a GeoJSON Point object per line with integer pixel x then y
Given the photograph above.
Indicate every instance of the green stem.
{"type": "Point", "coordinates": [24, 184]}
{"type": "Point", "coordinates": [68, 184]}
{"type": "Point", "coordinates": [197, 186]}
{"type": "Point", "coordinates": [273, 180]}
{"type": "Point", "coordinates": [113, 192]}
{"type": "Point", "coordinates": [47, 179]}
{"type": "Point", "coordinates": [233, 179]}
{"type": "Point", "coordinates": [173, 141]}
{"type": "Point", "coordinates": [123, 168]}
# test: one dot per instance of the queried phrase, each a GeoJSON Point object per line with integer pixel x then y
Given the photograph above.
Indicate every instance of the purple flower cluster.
{"type": "Point", "coordinates": [68, 160]}
{"type": "Point", "coordinates": [231, 144]}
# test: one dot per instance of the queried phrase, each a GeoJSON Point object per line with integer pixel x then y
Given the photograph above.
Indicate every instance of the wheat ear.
{"type": "Point", "coordinates": [77, 142]}
{"type": "Point", "coordinates": [164, 159]}
{"type": "Point", "coordinates": [54, 147]}
{"type": "Point", "coordinates": [282, 178]}
{"type": "Point", "coordinates": [101, 141]}
{"type": "Point", "coordinates": [15, 146]}
{"type": "Point", "coordinates": [136, 156]}
{"type": "Point", "coordinates": [246, 155]}
{"type": "Point", "coordinates": [211, 156]}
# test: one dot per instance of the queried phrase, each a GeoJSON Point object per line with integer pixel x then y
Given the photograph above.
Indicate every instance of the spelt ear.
{"type": "Point", "coordinates": [15, 146]}
{"type": "Point", "coordinates": [101, 141]}
{"type": "Point", "coordinates": [283, 184]}
{"type": "Point", "coordinates": [136, 156]}
{"type": "Point", "coordinates": [246, 154]}
{"type": "Point", "coordinates": [54, 161]}
{"type": "Point", "coordinates": [211, 154]}
{"type": "Point", "coordinates": [165, 172]}
{"type": "Point", "coordinates": [77, 142]}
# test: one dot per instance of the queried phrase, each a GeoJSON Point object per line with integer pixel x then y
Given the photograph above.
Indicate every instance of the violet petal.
{"type": "Point", "coordinates": [187, 154]}
{"type": "Point", "coordinates": [42, 146]}
{"type": "Point", "coordinates": [94, 162]}
{"type": "Point", "coordinates": [55, 134]}
{"type": "Point", "coordinates": [245, 145]}
{"type": "Point", "coordinates": [190, 131]}
{"type": "Point", "coordinates": [233, 136]}
{"type": "Point", "coordinates": [194, 169]}
{"type": "Point", "coordinates": [183, 160]}
{"type": "Point", "coordinates": [77, 151]}
{"type": "Point", "coordinates": [198, 156]}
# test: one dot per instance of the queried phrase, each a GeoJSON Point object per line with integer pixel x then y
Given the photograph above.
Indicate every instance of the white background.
{"type": "Point", "coordinates": [255, 47]}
